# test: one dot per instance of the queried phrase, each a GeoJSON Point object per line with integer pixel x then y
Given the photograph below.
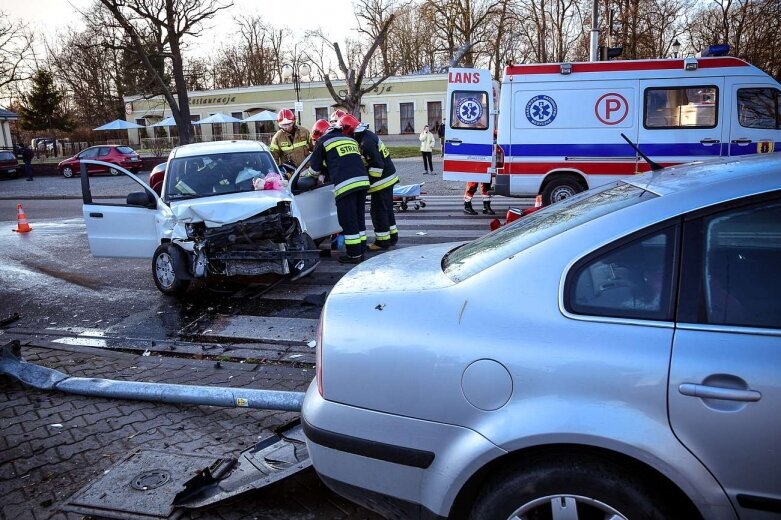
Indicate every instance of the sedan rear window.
{"type": "Point", "coordinates": [125, 150]}
{"type": "Point", "coordinates": [473, 257]}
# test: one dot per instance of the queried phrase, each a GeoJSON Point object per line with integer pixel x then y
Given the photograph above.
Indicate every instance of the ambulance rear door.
{"type": "Point", "coordinates": [469, 130]}
{"type": "Point", "coordinates": [755, 119]}
{"type": "Point", "coordinates": [682, 119]}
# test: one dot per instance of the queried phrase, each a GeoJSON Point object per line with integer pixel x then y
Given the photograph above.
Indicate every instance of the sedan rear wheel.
{"type": "Point", "coordinates": [164, 271]}
{"type": "Point", "coordinates": [571, 487]}
{"type": "Point", "coordinates": [67, 172]}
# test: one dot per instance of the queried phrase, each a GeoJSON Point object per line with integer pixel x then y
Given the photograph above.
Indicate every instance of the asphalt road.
{"type": "Point", "coordinates": [103, 317]}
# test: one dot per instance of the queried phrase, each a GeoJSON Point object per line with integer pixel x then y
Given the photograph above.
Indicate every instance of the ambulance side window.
{"type": "Point", "coordinates": [469, 110]}
{"type": "Point", "coordinates": [681, 107]}
{"type": "Point", "coordinates": [759, 108]}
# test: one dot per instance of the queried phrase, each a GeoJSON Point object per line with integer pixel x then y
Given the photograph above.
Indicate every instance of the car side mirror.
{"type": "Point", "coordinates": [143, 199]}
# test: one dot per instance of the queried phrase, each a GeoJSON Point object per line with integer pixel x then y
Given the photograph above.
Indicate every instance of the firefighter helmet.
{"type": "Point", "coordinates": [320, 127]}
{"type": "Point", "coordinates": [349, 123]}
{"type": "Point", "coordinates": [286, 117]}
{"type": "Point", "coordinates": [336, 115]}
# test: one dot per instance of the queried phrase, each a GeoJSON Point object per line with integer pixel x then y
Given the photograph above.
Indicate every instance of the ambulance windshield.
{"type": "Point", "coordinates": [473, 257]}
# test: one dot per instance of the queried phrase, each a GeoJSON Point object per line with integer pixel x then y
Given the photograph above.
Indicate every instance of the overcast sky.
{"type": "Point", "coordinates": [52, 16]}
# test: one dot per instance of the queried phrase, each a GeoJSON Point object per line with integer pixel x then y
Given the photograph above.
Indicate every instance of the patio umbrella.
{"type": "Point", "coordinates": [266, 115]}
{"type": "Point", "coordinates": [217, 118]}
{"type": "Point", "coordinates": [118, 124]}
{"type": "Point", "coordinates": [168, 121]}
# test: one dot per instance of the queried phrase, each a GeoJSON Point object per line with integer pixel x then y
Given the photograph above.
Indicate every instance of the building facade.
{"type": "Point", "coordinates": [400, 105]}
{"type": "Point", "coordinates": [6, 139]}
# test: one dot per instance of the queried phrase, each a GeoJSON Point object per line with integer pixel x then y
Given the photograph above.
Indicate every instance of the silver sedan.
{"type": "Point", "coordinates": [616, 355]}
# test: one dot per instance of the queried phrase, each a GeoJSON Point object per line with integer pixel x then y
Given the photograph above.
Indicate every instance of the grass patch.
{"type": "Point", "coordinates": [401, 152]}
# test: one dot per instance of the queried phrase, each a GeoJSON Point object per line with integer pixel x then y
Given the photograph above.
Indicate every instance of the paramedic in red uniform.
{"type": "Point", "coordinates": [471, 189]}
{"type": "Point", "coordinates": [382, 176]}
{"type": "Point", "coordinates": [341, 156]}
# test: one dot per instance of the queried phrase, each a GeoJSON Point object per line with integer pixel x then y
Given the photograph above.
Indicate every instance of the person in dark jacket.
{"type": "Point", "coordinates": [382, 177]}
{"type": "Point", "coordinates": [441, 134]}
{"type": "Point", "coordinates": [27, 157]}
{"type": "Point", "coordinates": [341, 156]}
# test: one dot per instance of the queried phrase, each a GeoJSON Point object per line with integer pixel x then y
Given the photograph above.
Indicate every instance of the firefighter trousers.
{"type": "Point", "coordinates": [351, 211]}
{"type": "Point", "coordinates": [383, 219]}
{"type": "Point", "coordinates": [471, 189]}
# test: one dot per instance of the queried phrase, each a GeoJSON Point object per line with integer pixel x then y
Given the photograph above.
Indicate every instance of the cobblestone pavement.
{"type": "Point", "coordinates": [53, 444]}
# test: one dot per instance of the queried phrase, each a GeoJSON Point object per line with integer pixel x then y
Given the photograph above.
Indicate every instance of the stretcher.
{"type": "Point", "coordinates": [408, 194]}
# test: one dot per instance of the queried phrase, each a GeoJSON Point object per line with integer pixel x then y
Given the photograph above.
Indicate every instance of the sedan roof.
{"type": "Point", "coordinates": [717, 179]}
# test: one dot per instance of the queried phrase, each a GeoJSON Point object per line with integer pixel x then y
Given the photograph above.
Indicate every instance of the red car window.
{"type": "Point", "coordinates": [104, 150]}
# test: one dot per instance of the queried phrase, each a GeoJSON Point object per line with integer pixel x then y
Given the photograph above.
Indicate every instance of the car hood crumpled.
{"type": "Point", "coordinates": [416, 268]}
{"type": "Point", "coordinates": [219, 210]}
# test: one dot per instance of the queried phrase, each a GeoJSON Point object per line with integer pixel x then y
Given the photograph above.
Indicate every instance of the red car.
{"type": "Point", "coordinates": [9, 166]}
{"type": "Point", "coordinates": [123, 156]}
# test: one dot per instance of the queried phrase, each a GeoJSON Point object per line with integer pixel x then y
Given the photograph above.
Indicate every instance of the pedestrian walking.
{"type": "Point", "coordinates": [341, 156]}
{"type": "Point", "coordinates": [426, 146]}
{"type": "Point", "coordinates": [27, 157]}
{"type": "Point", "coordinates": [382, 177]}
{"type": "Point", "coordinates": [441, 134]}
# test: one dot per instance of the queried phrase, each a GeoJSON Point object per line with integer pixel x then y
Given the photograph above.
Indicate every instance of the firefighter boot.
{"type": "Point", "coordinates": [468, 208]}
{"type": "Point", "coordinates": [487, 208]}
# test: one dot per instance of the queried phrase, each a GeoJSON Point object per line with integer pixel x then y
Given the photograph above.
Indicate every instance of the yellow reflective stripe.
{"type": "Point", "coordinates": [337, 142]}
{"type": "Point", "coordinates": [375, 172]}
{"type": "Point", "coordinates": [381, 234]}
{"type": "Point", "coordinates": [393, 230]}
{"type": "Point", "coordinates": [352, 241]}
{"type": "Point", "coordinates": [381, 238]}
{"type": "Point", "coordinates": [274, 146]}
{"type": "Point", "coordinates": [384, 150]}
{"type": "Point", "coordinates": [286, 148]}
{"type": "Point", "coordinates": [390, 181]}
{"type": "Point", "coordinates": [350, 184]}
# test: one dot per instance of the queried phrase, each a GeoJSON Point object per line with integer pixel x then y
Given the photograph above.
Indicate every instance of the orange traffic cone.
{"type": "Point", "coordinates": [538, 201]}
{"type": "Point", "coordinates": [22, 226]}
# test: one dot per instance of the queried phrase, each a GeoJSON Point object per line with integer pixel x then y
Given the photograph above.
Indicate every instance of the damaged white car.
{"type": "Point", "coordinates": [214, 217]}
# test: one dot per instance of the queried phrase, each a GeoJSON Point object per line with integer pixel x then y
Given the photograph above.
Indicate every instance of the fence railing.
{"type": "Point", "coordinates": [161, 145]}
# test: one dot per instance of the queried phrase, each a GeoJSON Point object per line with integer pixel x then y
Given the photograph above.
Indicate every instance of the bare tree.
{"type": "Point", "coordinates": [16, 49]}
{"type": "Point", "coordinates": [170, 22]}
{"type": "Point", "coordinates": [463, 25]}
{"type": "Point", "coordinates": [353, 70]}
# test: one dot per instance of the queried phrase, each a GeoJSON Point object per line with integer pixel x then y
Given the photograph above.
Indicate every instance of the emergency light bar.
{"type": "Point", "coordinates": [721, 49]}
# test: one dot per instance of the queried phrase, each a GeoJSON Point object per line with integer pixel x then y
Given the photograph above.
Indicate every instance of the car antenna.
{"type": "Point", "coordinates": [655, 167]}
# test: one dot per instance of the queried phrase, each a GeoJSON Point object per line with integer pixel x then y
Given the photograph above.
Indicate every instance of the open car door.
{"type": "Point", "coordinates": [129, 228]}
{"type": "Point", "coordinates": [316, 203]}
{"type": "Point", "coordinates": [469, 131]}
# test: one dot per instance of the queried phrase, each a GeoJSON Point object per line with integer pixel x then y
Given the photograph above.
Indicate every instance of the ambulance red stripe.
{"type": "Point", "coordinates": [621, 66]}
{"type": "Point", "coordinates": [588, 168]}
{"type": "Point", "coordinates": [466, 166]}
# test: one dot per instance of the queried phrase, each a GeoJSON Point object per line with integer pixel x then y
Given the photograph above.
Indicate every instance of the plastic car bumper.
{"type": "Point", "coordinates": [398, 466]}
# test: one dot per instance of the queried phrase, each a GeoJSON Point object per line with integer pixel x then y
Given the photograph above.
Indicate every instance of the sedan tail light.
{"type": "Point", "coordinates": [319, 361]}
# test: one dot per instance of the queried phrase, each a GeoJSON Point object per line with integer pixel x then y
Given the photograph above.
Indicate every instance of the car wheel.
{"type": "Point", "coordinates": [570, 487]}
{"type": "Point", "coordinates": [164, 271]}
{"type": "Point", "coordinates": [113, 171]}
{"type": "Point", "coordinates": [67, 172]}
{"type": "Point", "coordinates": [559, 189]}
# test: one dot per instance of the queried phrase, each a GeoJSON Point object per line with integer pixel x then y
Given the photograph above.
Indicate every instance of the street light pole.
{"type": "Point", "coordinates": [594, 47]}
{"type": "Point", "coordinates": [295, 74]}
{"type": "Point", "coordinates": [676, 46]}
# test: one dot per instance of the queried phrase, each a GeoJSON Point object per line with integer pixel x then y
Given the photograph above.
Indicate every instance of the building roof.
{"type": "Point", "coordinates": [7, 114]}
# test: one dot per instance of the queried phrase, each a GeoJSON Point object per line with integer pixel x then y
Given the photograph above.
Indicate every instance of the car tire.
{"type": "Point", "coordinates": [67, 172]}
{"type": "Point", "coordinates": [560, 188]}
{"type": "Point", "coordinates": [166, 275]}
{"type": "Point", "coordinates": [598, 489]}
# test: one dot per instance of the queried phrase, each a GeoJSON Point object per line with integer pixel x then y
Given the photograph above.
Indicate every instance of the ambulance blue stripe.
{"type": "Point", "coordinates": [603, 150]}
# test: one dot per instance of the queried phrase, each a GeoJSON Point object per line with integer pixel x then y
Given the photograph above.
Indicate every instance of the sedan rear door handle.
{"type": "Point", "coordinates": [717, 392]}
{"type": "Point", "coordinates": [96, 215]}
{"type": "Point", "coordinates": [742, 141]}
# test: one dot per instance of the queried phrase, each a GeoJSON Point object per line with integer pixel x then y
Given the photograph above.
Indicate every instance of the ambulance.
{"type": "Point", "coordinates": [557, 129]}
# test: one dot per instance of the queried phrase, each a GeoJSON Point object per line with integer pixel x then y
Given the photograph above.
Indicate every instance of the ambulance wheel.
{"type": "Point", "coordinates": [559, 189]}
{"type": "Point", "coordinates": [166, 267]}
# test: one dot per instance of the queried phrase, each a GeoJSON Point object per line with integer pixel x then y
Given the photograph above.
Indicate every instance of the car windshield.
{"type": "Point", "coordinates": [216, 174]}
{"type": "Point", "coordinates": [125, 150]}
{"type": "Point", "coordinates": [473, 257]}
{"type": "Point", "coordinates": [7, 156]}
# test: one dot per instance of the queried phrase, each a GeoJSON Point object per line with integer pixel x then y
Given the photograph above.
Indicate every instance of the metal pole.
{"type": "Point", "coordinates": [44, 378]}
{"type": "Point", "coordinates": [594, 47]}
{"type": "Point", "coordinates": [297, 87]}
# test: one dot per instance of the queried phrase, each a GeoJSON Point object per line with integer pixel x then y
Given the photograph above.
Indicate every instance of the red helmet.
{"type": "Point", "coordinates": [320, 127]}
{"type": "Point", "coordinates": [349, 123]}
{"type": "Point", "coordinates": [336, 115]}
{"type": "Point", "coordinates": [286, 117]}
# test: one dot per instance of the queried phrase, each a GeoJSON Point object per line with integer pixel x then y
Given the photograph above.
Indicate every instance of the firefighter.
{"type": "Point", "coordinates": [320, 127]}
{"type": "Point", "coordinates": [336, 115]}
{"type": "Point", "coordinates": [341, 156]}
{"type": "Point", "coordinates": [382, 176]}
{"type": "Point", "coordinates": [471, 189]}
{"type": "Point", "coordinates": [292, 143]}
